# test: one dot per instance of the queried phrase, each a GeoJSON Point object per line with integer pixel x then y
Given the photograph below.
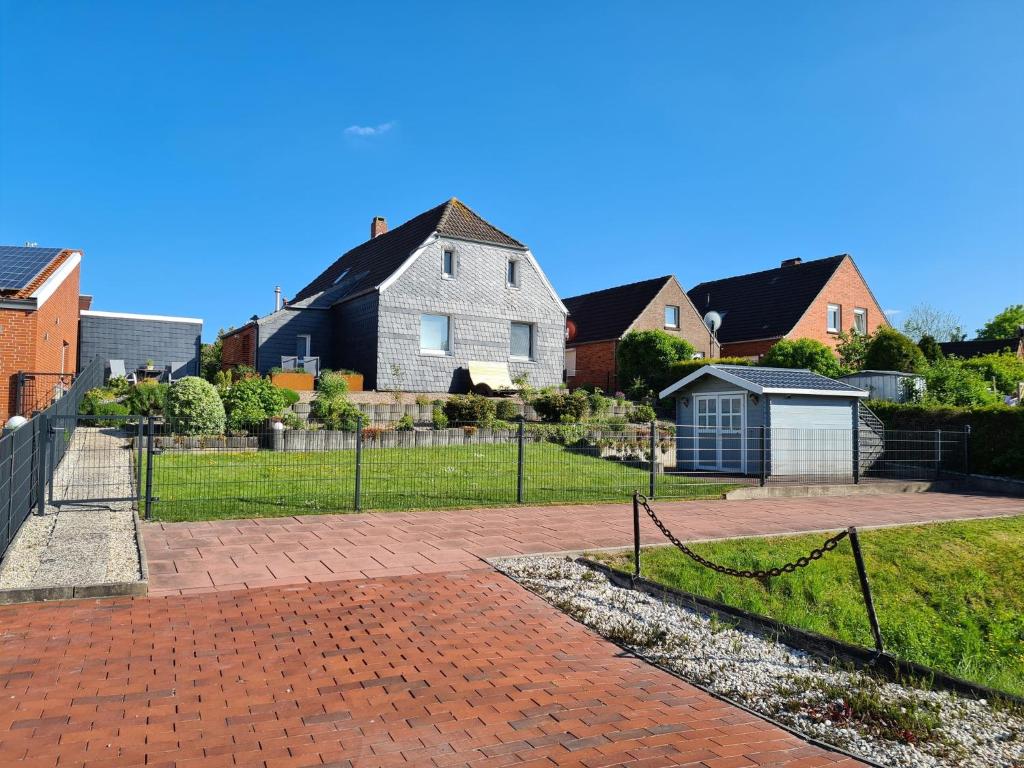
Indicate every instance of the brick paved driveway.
{"type": "Point", "coordinates": [199, 557]}
{"type": "Point", "coordinates": [427, 670]}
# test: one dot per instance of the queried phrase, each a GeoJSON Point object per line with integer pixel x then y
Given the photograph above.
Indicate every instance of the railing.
{"type": "Point", "coordinates": [35, 390]}
{"type": "Point", "coordinates": [306, 364]}
{"type": "Point", "coordinates": [277, 471]}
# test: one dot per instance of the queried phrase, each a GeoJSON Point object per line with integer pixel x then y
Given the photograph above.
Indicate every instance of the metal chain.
{"type": "Point", "coordinates": [801, 562]}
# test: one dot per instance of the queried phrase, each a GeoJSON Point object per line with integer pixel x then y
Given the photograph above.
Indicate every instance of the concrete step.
{"type": "Point", "coordinates": [868, 488]}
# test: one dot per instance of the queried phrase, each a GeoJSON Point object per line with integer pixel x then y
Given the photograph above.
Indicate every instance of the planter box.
{"type": "Point", "coordinates": [297, 380]}
{"type": "Point", "coordinates": [354, 380]}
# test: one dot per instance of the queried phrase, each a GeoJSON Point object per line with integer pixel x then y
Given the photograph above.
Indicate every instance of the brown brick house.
{"type": "Point", "coordinates": [39, 303]}
{"type": "Point", "coordinates": [814, 299]}
{"type": "Point", "coordinates": [598, 320]}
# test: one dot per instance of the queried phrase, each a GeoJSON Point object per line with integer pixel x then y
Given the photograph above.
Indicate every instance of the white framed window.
{"type": "Point", "coordinates": [448, 264]}
{"type": "Point", "coordinates": [671, 316]}
{"type": "Point", "coordinates": [570, 362]}
{"type": "Point", "coordinates": [435, 334]}
{"type": "Point", "coordinates": [860, 320]}
{"type": "Point", "coordinates": [512, 273]}
{"type": "Point", "coordinates": [521, 345]}
{"type": "Point", "coordinates": [834, 319]}
{"type": "Point", "coordinates": [302, 345]}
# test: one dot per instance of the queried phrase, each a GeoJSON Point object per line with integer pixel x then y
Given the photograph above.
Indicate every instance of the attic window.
{"type": "Point", "coordinates": [860, 320]}
{"type": "Point", "coordinates": [833, 319]}
{"type": "Point", "coordinates": [512, 274]}
{"type": "Point", "coordinates": [340, 277]}
{"type": "Point", "coordinates": [448, 264]}
{"type": "Point", "coordinates": [671, 316]}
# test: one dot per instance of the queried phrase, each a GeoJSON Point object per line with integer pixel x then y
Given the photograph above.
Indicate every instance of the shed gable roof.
{"type": "Point", "coordinates": [368, 265]}
{"type": "Point", "coordinates": [771, 381]}
{"type": "Point", "coordinates": [608, 313]}
{"type": "Point", "coordinates": [764, 305]}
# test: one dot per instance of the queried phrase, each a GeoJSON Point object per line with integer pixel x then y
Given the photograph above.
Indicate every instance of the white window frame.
{"type": "Point", "coordinates": [718, 397]}
{"type": "Point", "coordinates": [512, 267]}
{"type": "Point", "coordinates": [674, 326]}
{"type": "Point", "coordinates": [309, 344]}
{"type": "Point", "coordinates": [436, 352]}
{"type": "Point", "coordinates": [533, 341]}
{"type": "Point", "coordinates": [570, 355]}
{"type": "Point", "coordinates": [839, 318]}
{"type": "Point", "coordinates": [862, 313]}
{"type": "Point", "coordinates": [448, 275]}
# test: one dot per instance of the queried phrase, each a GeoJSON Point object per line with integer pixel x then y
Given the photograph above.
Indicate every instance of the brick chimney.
{"type": "Point", "coordinates": [791, 262]}
{"type": "Point", "coordinates": [378, 226]}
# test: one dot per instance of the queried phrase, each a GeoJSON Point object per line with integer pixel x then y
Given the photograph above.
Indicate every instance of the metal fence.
{"type": "Point", "coordinates": [28, 456]}
{"type": "Point", "coordinates": [275, 471]}
{"type": "Point", "coordinates": [35, 391]}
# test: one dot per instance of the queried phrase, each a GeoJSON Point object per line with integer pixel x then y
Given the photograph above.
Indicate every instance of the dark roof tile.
{"type": "Point", "coordinates": [977, 347]}
{"type": "Point", "coordinates": [607, 314]}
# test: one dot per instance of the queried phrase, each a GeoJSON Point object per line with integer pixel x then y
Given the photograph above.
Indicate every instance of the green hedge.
{"type": "Point", "coordinates": [997, 431]}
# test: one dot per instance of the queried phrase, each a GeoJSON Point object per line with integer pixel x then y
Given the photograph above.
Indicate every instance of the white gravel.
{"type": "Point", "coordinates": [817, 699]}
{"type": "Point", "coordinates": [80, 544]}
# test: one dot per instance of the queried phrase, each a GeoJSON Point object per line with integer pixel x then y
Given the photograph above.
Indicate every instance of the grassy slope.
{"type": "Point", "coordinates": [193, 486]}
{"type": "Point", "coordinates": [949, 595]}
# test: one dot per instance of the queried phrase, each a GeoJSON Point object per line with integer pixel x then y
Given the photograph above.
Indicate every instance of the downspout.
{"type": "Point", "coordinates": [256, 351]}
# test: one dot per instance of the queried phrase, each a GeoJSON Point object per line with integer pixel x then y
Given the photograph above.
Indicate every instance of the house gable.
{"type": "Point", "coordinates": [848, 290]}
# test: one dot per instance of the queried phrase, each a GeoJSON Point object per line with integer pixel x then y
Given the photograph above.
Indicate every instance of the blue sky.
{"type": "Point", "coordinates": [201, 153]}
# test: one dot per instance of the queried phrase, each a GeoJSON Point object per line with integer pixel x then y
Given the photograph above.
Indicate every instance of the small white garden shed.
{"type": "Point", "coordinates": [731, 418]}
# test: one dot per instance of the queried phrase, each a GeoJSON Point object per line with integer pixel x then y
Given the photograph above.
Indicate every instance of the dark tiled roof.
{"type": "Point", "coordinates": [763, 305]}
{"type": "Point", "coordinates": [786, 378]}
{"type": "Point", "coordinates": [368, 265]}
{"type": "Point", "coordinates": [965, 349]}
{"type": "Point", "coordinates": [607, 314]}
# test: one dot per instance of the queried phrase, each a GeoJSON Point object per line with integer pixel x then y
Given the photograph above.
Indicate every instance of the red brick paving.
{"type": "Point", "coordinates": [188, 558]}
{"type": "Point", "coordinates": [443, 669]}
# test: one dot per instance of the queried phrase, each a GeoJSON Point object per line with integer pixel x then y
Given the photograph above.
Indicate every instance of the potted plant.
{"type": "Point", "coordinates": [149, 365]}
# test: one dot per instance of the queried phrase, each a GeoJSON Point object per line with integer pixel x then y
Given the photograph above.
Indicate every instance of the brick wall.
{"type": "Point", "coordinates": [691, 324]}
{"type": "Point", "coordinates": [753, 349]}
{"type": "Point", "coordinates": [847, 289]}
{"type": "Point", "coordinates": [595, 364]}
{"type": "Point", "coordinates": [239, 348]}
{"type": "Point", "coordinates": [17, 353]}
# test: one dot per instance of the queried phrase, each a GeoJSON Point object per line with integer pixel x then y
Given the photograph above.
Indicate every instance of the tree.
{"type": "Point", "coordinates": [950, 382]}
{"type": "Point", "coordinates": [210, 356]}
{"type": "Point", "coordinates": [802, 353]}
{"type": "Point", "coordinates": [852, 349]}
{"type": "Point", "coordinates": [1005, 325]}
{"type": "Point", "coordinates": [926, 320]}
{"type": "Point", "coordinates": [890, 350]}
{"type": "Point", "coordinates": [929, 348]}
{"type": "Point", "coordinates": [644, 357]}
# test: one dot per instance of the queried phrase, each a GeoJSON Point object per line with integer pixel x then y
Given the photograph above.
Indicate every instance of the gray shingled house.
{"type": "Point", "coordinates": [412, 307]}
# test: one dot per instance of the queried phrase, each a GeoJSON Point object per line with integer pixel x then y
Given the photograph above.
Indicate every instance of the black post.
{"type": "Point", "coordinates": [10, 494]}
{"type": "Point", "coordinates": [967, 449]}
{"type": "Point", "coordinates": [653, 446]}
{"type": "Point", "coordinates": [138, 466]}
{"type": "Point", "coordinates": [359, 465]}
{"type": "Point", "coordinates": [42, 436]}
{"type": "Point", "coordinates": [764, 455]}
{"type": "Point", "coordinates": [938, 451]}
{"type": "Point", "coordinates": [520, 460]}
{"type": "Point", "coordinates": [865, 589]}
{"type": "Point", "coordinates": [856, 442]}
{"type": "Point", "coordinates": [53, 460]}
{"type": "Point", "coordinates": [149, 466]}
{"type": "Point", "coordinates": [636, 534]}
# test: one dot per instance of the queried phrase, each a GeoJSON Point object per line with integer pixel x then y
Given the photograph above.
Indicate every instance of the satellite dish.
{"type": "Point", "coordinates": [713, 321]}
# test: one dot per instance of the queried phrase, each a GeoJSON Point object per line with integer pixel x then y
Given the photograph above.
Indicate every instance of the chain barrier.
{"type": "Point", "coordinates": [801, 562]}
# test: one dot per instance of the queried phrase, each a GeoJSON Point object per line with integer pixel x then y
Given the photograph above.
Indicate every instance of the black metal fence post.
{"type": "Point", "coordinates": [149, 466]}
{"type": "Point", "coordinates": [53, 459]}
{"type": "Point", "coordinates": [865, 588]}
{"type": "Point", "coordinates": [636, 535]}
{"type": "Point", "coordinates": [653, 447]}
{"type": "Point", "coordinates": [357, 501]}
{"type": "Point", "coordinates": [42, 436]}
{"type": "Point", "coordinates": [967, 449]}
{"type": "Point", "coordinates": [764, 455]}
{"type": "Point", "coordinates": [520, 459]}
{"type": "Point", "coordinates": [139, 437]}
{"type": "Point", "coordinates": [938, 451]}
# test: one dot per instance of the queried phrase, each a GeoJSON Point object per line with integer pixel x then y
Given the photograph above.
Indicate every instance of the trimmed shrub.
{"type": "Point", "coordinates": [890, 350]}
{"type": "Point", "coordinates": [469, 409]}
{"type": "Point", "coordinates": [642, 414]}
{"type": "Point", "coordinates": [802, 353]}
{"type": "Point", "coordinates": [404, 424]}
{"type": "Point", "coordinates": [561, 406]}
{"type": "Point", "coordinates": [252, 401]}
{"type": "Point", "coordinates": [148, 397]}
{"type": "Point", "coordinates": [997, 431]}
{"type": "Point", "coordinates": [506, 410]}
{"type": "Point", "coordinates": [439, 420]}
{"type": "Point", "coordinates": [193, 407]}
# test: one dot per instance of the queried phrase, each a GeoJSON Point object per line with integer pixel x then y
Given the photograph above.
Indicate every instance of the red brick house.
{"type": "Point", "coordinates": [599, 320]}
{"type": "Point", "coordinates": [814, 299]}
{"type": "Point", "coordinates": [39, 303]}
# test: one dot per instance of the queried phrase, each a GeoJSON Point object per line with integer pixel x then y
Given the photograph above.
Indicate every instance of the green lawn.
{"type": "Point", "coordinates": [949, 595]}
{"type": "Point", "coordinates": [204, 486]}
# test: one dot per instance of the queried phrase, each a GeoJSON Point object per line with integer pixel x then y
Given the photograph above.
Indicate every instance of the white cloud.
{"type": "Point", "coordinates": [891, 312]}
{"type": "Point", "coordinates": [370, 130]}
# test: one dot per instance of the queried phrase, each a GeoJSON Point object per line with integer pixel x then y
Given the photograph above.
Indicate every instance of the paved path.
{"type": "Point", "coordinates": [187, 558]}
{"type": "Point", "coordinates": [447, 669]}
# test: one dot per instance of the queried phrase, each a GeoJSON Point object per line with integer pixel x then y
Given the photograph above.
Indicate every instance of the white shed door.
{"type": "Point", "coordinates": [812, 437]}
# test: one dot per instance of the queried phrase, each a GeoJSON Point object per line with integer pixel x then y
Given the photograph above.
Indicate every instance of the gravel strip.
{"type": "Point", "coordinates": [892, 724]}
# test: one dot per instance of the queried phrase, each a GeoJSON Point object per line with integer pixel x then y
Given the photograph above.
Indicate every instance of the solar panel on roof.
{"type": "Point", "coordinates": [19, 264]}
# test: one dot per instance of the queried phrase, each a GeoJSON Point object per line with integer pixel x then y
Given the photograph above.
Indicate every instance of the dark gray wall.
{"type": "Point", "coordinates": [355, 334]}
{"type": "Point", "coordinates": [137, 340]}
{"type": "Point", "coordinates": [278, 332]}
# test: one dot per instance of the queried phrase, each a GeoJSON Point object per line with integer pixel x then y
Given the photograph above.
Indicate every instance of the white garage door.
{"type": "Point", "coordinates": [812, 436]}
